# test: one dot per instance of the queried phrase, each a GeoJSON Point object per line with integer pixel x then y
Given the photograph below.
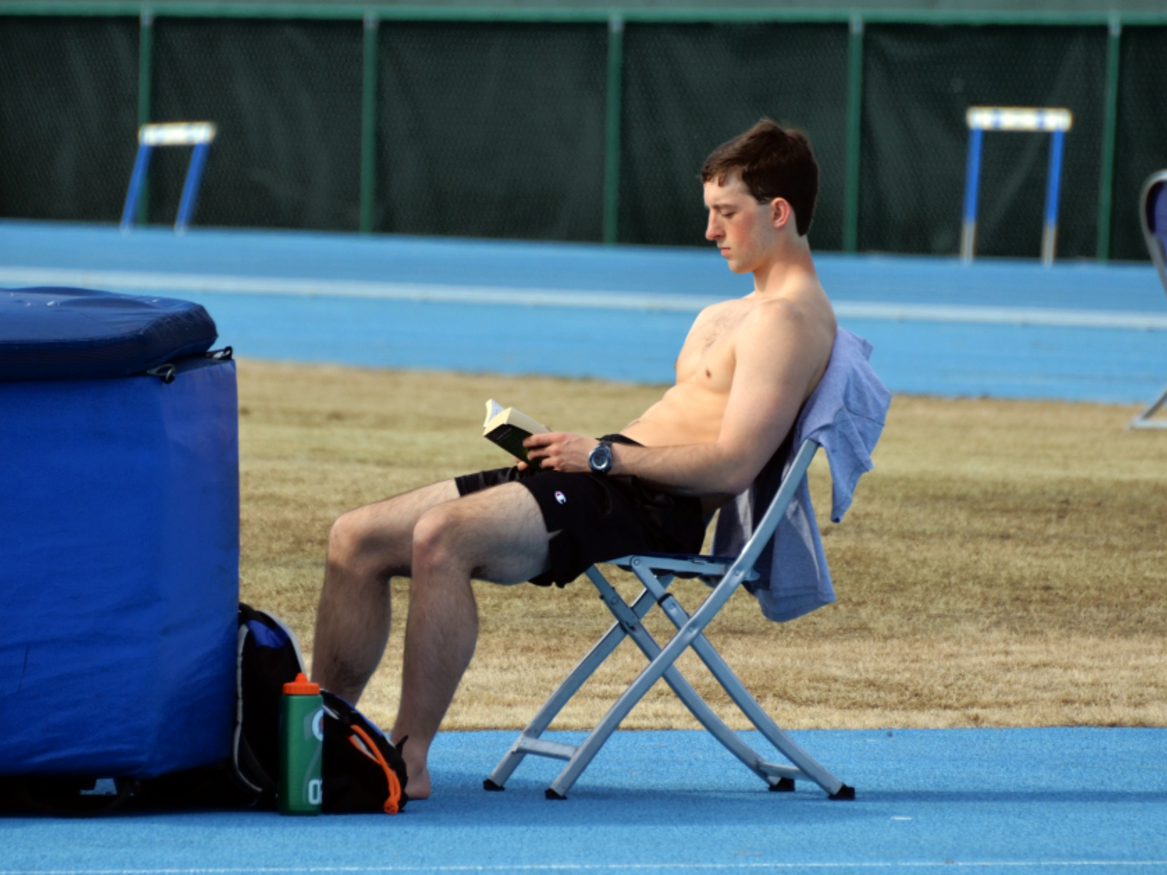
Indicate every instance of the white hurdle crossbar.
{"type": "Point", "coordinates": [1054, 121]}
{"type": "Point", "coordinates": [197, 134]}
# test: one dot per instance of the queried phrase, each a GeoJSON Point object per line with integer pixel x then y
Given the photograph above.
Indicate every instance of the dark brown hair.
{"type": "Point", "coordinates": [773, 162]}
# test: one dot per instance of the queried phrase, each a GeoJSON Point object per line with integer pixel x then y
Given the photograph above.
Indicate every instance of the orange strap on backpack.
{"type": "Point", "coordinates": [392, 804]}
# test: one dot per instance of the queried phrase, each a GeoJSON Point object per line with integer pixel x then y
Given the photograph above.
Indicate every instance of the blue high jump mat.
{"type": "Point", "coordinates": [119, 536]}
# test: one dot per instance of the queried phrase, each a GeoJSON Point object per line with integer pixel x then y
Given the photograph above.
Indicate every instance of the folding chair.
{"type": "Point", "coordinates": [724, 574]}
{"type": "Point", "coordinates": [1153, 218]}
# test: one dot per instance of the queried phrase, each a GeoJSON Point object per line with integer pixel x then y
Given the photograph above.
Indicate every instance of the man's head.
{"type": "Point", "coordinates": [772, 162]}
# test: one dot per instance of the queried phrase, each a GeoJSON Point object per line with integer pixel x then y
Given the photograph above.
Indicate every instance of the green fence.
{"type": "Point", "coordinates": [563, 124]}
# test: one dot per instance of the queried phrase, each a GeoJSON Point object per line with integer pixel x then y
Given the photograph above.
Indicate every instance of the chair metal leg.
{"type": "Point", "coordinates": [616, 714]}
{"type": "Point", "coordinates": [636, 691]}
{"type": "Point", "coordinates": [1144, 420]}
{"type": "Point", "coordinates": [627, 624]}
{"type": "Point", "coordinates": [768, 772]}
{"type": "Point", "coordinates": [528, 740]}
{"type": "Point", "coordinates": [806, 766]}
{"type": "Point", "coordinates": [656, 669]}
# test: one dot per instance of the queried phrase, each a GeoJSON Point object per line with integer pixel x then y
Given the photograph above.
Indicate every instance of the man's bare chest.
{"type": "Point", "coordinates": [708, 356]}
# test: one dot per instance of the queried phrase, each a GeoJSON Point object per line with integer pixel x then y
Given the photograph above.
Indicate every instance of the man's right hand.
{"type": "Point", "coordinates": [519, 463]}
{"type": "Point", "coordinates": [560, 451]}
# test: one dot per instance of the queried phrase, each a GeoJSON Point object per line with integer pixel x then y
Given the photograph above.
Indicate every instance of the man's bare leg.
{"type": "Point", "coordinates": [366, 547]}
{"type": "Point", "coordinates": [497, 535]}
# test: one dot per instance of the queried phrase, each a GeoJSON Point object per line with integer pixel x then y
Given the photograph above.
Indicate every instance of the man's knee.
{"type": "Point", "coordinates": [345, 538]}
{"type": "Point", "coordinates": [439, 538]}
{"type": "Point", "coordinates": [356, 543]}
{"type": "Point", "coordinates": [498, 535]}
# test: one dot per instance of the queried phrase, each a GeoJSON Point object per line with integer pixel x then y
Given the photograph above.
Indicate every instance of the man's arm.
{"type": "Point", "coordinates": [778, 353]}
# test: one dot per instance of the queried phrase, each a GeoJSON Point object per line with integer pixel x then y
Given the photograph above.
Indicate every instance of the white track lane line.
{"type": "Point", "coordinates": [139, 281]}
{"type": "Point", "coordinates": [596, 867]}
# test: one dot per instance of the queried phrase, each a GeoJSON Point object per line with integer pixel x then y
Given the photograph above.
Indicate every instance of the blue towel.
{"type": "Point", "coordinates": [845, 415]}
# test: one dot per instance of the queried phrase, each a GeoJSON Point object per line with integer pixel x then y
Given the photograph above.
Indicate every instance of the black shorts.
{"type": "Point", "coordinates": [600, 517]}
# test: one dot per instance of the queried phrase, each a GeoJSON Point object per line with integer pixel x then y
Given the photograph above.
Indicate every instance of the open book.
{"type": "Point", "coordinates": [509, 427]}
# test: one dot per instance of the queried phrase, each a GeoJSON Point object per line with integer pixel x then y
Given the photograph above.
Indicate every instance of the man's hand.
{"type": "Point", "coordinates": [559, 451]}
{"type": "Point", "coordinates": [521, 464]}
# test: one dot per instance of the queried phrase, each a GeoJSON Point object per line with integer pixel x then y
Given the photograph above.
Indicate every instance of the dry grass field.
{"type": "Point", "coordinates": [1004, 565]}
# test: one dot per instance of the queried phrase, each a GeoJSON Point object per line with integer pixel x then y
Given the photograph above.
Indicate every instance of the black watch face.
{"type": "Point", "coordinates": [601, 458]}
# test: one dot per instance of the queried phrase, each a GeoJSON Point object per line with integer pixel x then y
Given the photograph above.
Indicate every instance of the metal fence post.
{"type": "Point", "coordinates": [854, 120]}
{"type": "Point", "coordinates": [369, 125]}
{"type": "Point", "coordinates": [1109, 125]}
{"type": "Point", "coordinates": [145, 82]}
{"type": "Point", "coordinates": [612, 129]}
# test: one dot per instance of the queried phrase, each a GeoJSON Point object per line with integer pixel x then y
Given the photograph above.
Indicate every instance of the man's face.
{"type": "Point", "coordinates": [741, 227]}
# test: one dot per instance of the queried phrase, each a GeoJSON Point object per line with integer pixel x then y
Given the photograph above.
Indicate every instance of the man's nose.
{"type": "Point", "coordinates": [713, 228]}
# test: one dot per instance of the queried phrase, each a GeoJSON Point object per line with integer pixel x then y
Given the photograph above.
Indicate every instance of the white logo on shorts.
{"type": "Point", "coordinates": [560, 497]}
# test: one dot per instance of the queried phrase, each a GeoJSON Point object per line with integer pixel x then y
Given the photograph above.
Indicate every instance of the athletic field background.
{"type": "Point", "coordinates": [513, 120]}
{"type": "Point", "coordinates": [1003, 565]}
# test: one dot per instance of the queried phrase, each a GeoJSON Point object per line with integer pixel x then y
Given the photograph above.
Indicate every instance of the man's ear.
{"type": "Point", "coordinates": [781, 213]}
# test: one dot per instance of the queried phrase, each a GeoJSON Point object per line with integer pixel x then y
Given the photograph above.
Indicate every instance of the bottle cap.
{"type": "Point", "coordinates": [301, 686]}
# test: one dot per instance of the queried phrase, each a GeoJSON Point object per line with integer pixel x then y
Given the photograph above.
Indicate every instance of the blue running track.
{"type": "Point", "coordinates": [999, 801]}
{"type": "Point", "coordinates": [1005, 329]}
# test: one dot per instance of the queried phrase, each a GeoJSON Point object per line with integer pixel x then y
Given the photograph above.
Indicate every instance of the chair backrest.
{"type": "Point", "coordinates": [1153, 217]}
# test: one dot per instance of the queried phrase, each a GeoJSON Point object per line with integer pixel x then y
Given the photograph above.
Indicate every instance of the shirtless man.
{"type": "Point", "coordinates": [744, 372]}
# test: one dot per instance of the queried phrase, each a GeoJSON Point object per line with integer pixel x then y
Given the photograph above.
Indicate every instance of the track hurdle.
{"type": "Point", "coordinates": [197, 134]}
{"type": "Point", "coordinates": [1014, 118]}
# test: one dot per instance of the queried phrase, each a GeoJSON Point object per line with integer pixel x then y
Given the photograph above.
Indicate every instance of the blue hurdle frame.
{"type": "Point", "coordinates": [197, 134]}
{"type": "Point", "coordinates": [1056, 122]}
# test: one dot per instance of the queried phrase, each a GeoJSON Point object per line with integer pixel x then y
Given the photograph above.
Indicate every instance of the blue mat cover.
{"type": "Point", "coordinates": [62, 334]}
{"type": "Point", "coordinates": [119, 570]}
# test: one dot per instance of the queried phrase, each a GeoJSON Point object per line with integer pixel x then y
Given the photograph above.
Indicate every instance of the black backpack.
{"type": "Point", "coordinates": [268, 657]}
{"type": "Point", "coordinates": [363, 771]}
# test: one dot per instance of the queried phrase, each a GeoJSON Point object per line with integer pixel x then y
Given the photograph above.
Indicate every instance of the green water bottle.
{"type": "Point", "coordinates": [301, 747]}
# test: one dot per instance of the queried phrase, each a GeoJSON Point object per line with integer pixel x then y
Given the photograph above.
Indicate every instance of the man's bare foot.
{"type": "Point", "coordinates": [416, 770]}
{"type": "Point", "coordinates": [419, 783]}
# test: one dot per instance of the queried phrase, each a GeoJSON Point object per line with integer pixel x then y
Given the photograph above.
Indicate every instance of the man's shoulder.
{"type": "Point", "coordinates": [804, 306]}
{"type": "Point", "coordinates": [721, 307]}
{"type": "Point", "coordinates": [801, 325]}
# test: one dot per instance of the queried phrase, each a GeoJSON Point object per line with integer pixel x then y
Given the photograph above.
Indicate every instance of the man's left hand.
{"type": "Point", "coordinates": [559, 451]}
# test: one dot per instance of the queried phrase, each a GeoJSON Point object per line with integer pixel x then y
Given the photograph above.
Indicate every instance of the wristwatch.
{"type": "Point", "coordinates": [600, 458]}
